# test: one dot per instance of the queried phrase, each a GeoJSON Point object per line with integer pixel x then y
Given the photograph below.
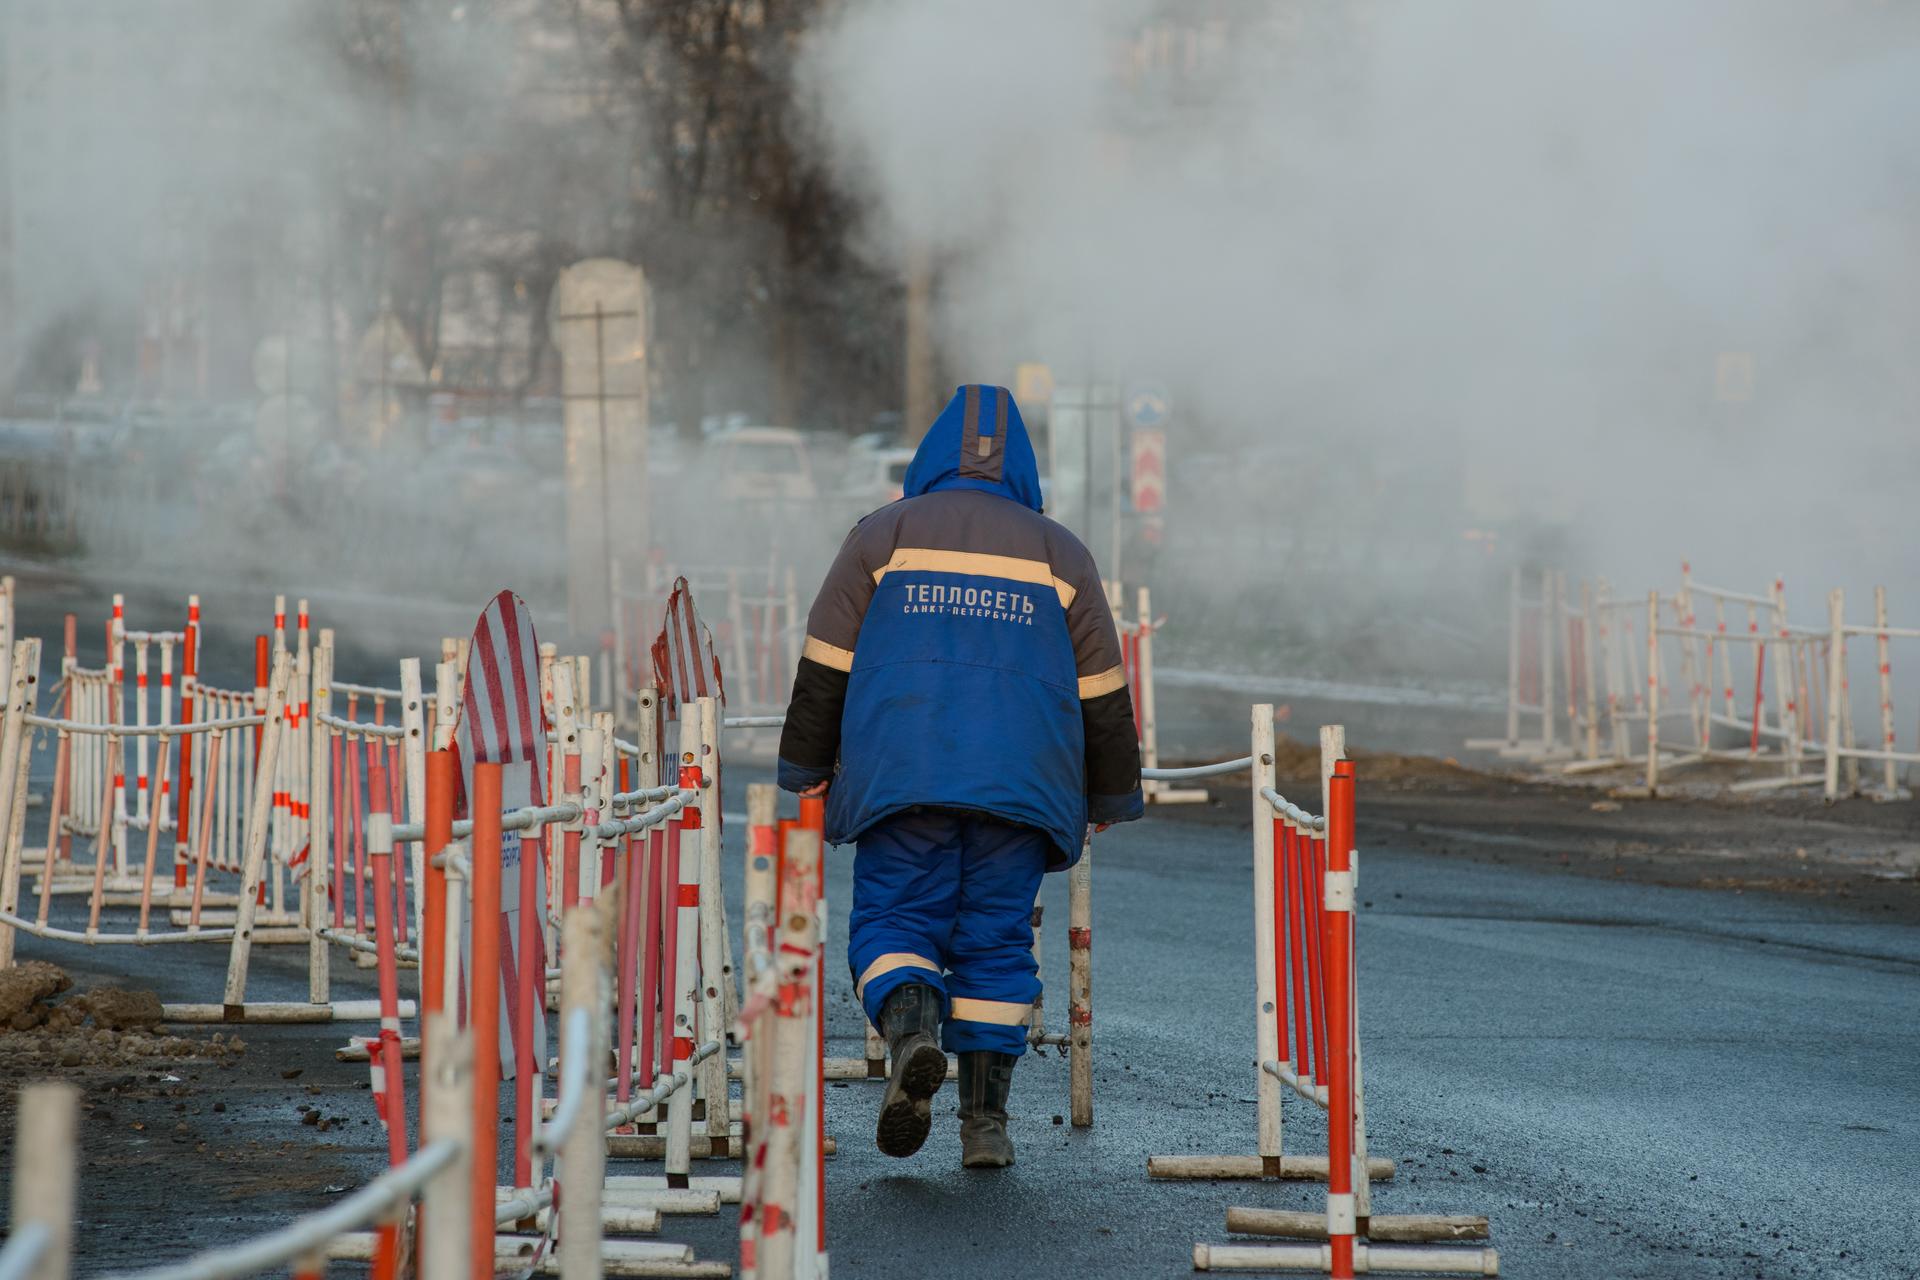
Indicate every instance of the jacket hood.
{"type": "Point", "coordinates": [979, 441]}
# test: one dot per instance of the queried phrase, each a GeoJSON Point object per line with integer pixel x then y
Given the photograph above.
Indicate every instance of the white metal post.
{"type": "Point", "coordinates": [1080, 988]}
{"type": "Point", "coordinates": [715, 951]}
{"type": "Point", "coordinates": [1149, 723]}
{"type": "Point", "coordinates": [583, 1157]}
{"type": "Point", "coordinates": [1547, 610]}
{"type": "Point", "coordinates": [15, 746]}
{"type": "Point", "coordinates": [686, 972]}
{"type": "Point", "coordinates": [1886, 686]}
{"type": "Point", "coordinates": [1836, 667]}
{"type": "Point", "coordinates": [1586, 661]}
{"type": "Point", "coordinates": [413, 758]}
{"type": "Point", "coordinates": [1513, 657]}
{"type": "Point", "coordinates": [1653, 692]}
{"type": "Point", "coordinates": [1266, 1046]}
{"type": "Point", "coordinates": [446, 1087]}
{"type": "Point", "coordinates": [1783, 680]}
{"type": "Point", "coordinates": [319, 826]}
{"type": "Point", "coordinates": [259, 813]}
{"type": "Point", "coordinates": [45, 1151]}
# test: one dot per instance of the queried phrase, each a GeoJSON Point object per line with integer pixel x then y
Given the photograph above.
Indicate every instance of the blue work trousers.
{"type": "Point", "coordinates": [946, 898]}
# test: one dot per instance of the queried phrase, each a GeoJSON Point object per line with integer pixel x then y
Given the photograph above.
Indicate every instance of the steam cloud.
{"type": "Point", "coordinates": [1422, 267]}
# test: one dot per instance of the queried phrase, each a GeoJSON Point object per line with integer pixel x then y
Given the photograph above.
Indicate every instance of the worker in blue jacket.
{"type": "Point", "coordinates": [962, 701]}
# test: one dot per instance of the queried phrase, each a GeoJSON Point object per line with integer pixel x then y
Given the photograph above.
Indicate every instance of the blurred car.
{"type": "Point", "coordinates": [760, 464]}
{"type": "Point", "coordinates": [875, 477]}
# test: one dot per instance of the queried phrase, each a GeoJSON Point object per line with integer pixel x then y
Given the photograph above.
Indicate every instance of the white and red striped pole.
{"type": "Point", "coordinates": [117, 747]}
{"type": "Point", "coordinates": [1338, 971]}
{"type": "Point", "coordinates": [686, 971]}
{"type": "Point", "coordinates": [384, 1053]}
{"type": "Point", "coordinates": [183, 817]}
{"type": "Point", "coordinates": [813, 1203]}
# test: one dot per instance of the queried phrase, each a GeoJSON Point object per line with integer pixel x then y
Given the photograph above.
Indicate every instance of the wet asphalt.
{"type": "Point", "coordinates": [1629, 1080]}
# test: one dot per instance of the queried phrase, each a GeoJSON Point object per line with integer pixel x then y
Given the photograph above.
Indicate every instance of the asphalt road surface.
{"type": "Point", "coordinates": [1630, 1080]}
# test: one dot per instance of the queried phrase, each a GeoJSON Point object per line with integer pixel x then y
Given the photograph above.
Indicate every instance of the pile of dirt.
{"type": "Point", "coordinates": [1294, 760]}
{"type": "Point", "coordinates": [107, 1026]}
{"type": "Point", "coordinates": [24, 991]}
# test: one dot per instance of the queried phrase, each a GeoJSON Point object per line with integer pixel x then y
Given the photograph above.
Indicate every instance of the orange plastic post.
{"type": "Point", "coordinates": [433, 901]}
{"type": "Point", "coordinates": [483, 1011]}
{"type": "Point", "coordinates": [1339, 971]}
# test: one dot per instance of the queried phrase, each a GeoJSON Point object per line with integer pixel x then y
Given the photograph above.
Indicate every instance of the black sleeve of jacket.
{"type": "Point", "coordinates": [1106, 703]}
{"type": "Point", "coordinates": [810, 740]}
{"type": "Point", "coordinates": [1113, 749]}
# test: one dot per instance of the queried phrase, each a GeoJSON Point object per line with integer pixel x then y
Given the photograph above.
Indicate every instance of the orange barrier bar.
{"type": "Point", "coordinates": [437, 832]}
{"type": "Point", "coordinates": [183, 817]}
{"type": "Point", "coordinates": [483, 1006]}
{"type": "Point", "coordinates": [529, 1003]}
{"type": "Point", "coordinates": [1313, 862]}
{"type": "Point", "coordinates": [650, 988]}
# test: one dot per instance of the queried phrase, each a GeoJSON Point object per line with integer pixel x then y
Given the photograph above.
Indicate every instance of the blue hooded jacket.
{"type": "Point", "coordinates": [961, 653]}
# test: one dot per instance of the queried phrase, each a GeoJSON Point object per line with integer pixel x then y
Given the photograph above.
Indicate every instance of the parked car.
{"type": "Point", "coordinates": [759, 464]}
{"type": "Point", "coordinates": [875, 477]}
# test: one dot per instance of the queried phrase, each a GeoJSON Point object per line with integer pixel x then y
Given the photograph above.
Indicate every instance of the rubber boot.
{"type": "Point", "coordinates": [985, 1079]}
{"type": "Point", "coordinates": [910, 1020]}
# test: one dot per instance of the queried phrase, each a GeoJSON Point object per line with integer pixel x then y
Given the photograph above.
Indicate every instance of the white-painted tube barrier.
{"type": "Point", "coordinates": [1307, 1042]}
{"type": "Point", "coordinates": [46, 1149]}
{"type": "Point", "coordinates": [1695, 685]}
{"type": "Point", "coordinates": [25, 1251]}
{"type": "Point", "coordinates": [1367, 1259]}
{"type": "Point", "coordinates": [312, 1232]}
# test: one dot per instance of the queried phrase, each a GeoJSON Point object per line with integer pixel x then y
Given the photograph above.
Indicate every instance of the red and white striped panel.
{"type": "Point", "coordinates": [685, 663]}
{"type": "Point", "coordinates": [501, 718]}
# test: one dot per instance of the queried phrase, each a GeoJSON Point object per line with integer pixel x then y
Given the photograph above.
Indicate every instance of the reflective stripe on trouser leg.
{"type": "Point", "coordinates": [994, 981]}
{"type": "Point", "coordinates": [906, 888]}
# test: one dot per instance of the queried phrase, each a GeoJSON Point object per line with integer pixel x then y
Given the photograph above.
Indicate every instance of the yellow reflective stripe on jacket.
{"type": "Point", "coordinates": [976, 564]}
{"type": "Point", "coordinates": [830, 655]}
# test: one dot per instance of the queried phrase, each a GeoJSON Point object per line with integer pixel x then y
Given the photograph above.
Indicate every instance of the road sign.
{"type": "Point", "coordinates": [1147, 404]}
{"type": "Point", "coordinates": [1032, 385]}
{"type": "Point", "coordinates": [502, 720]}
{"type": "Point", "coordinates": [1149, 470]}
{"type": "Point", "coordinates": [1733, 377]}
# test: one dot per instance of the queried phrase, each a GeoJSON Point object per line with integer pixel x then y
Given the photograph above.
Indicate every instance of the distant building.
{"type": "Point", "coordinates": [132, 138]}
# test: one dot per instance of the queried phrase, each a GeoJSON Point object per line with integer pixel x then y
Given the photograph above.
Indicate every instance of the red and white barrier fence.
{"type": "Point", "coordinates": [759, 629]}
{"type": "Point", "coordinates": [1306, 1038]}
{"type": "Point", "coordinates": [1136, 657]}
{"type": "Point", "coordinates": [1705, 673]}
{"type": "Point", "coordinates": [561, 1213]}
{"type": "Point", "coordinates": [782, 1028]}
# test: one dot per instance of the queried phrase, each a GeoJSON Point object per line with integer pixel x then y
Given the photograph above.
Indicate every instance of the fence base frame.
{"type": "Point", "coordinates": [1366, 1258]}
{"type": "Point", "coordinates": [281, 1012]}
{"type": "Point", "coordinates": [1255, 1168]}
{"type": "Point", "coordinates": [1402, 1228]}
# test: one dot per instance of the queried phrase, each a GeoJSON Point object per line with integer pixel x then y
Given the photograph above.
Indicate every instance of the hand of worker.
{"type": "Point", "coordinates": [817, 789]}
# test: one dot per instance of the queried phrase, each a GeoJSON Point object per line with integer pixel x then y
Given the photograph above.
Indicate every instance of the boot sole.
{"type": "Point", "coordinates": [906, 1116]}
